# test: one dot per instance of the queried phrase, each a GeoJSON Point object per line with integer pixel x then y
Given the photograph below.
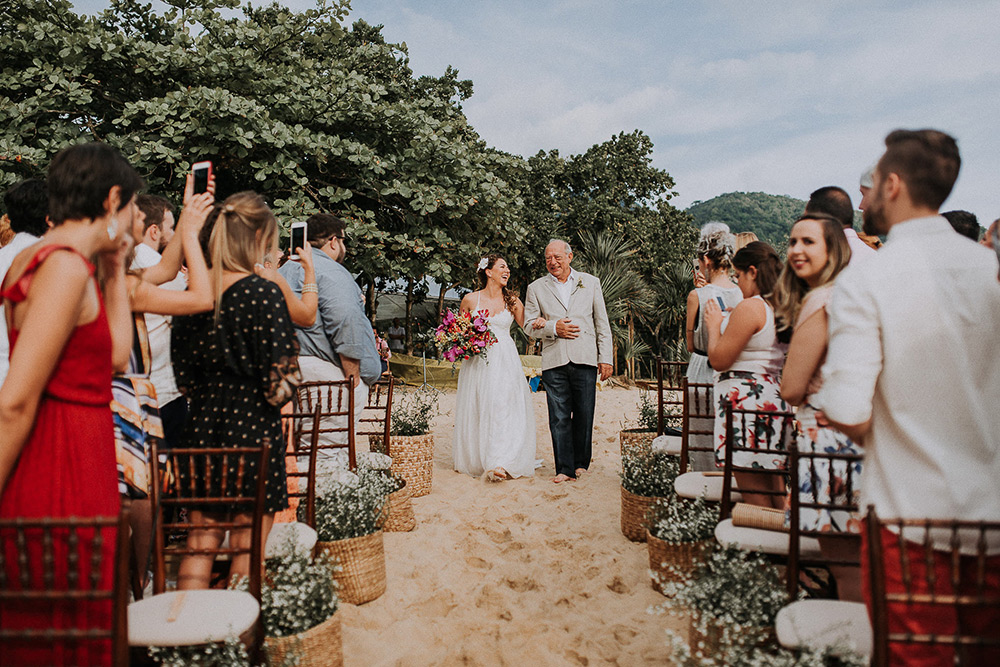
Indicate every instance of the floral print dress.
{"type": "Point", "coordinates": [753, 382]}
{"type": "Point", "coordinates": [817, 483]}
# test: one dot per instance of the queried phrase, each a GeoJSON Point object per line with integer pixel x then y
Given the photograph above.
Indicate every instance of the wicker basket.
{"type": "Point", "coordinates": [636, 441]}
{"type": "Point", "coordinates": [320, 646]}
{"type": "Point", "coordinates": [412, 459]}
{"type": "Point", "coordinates": [671, 562]}
{"type": "Point", "coordinates": [634, 509]}
{"type": "Point", "coordinates": [361, 577]}
{"type": "Point", "coordinates": [400, 517]}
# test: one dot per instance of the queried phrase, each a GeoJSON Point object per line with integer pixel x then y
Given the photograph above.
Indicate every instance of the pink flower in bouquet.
{"type": "Point", "coordinates": [463, 335]}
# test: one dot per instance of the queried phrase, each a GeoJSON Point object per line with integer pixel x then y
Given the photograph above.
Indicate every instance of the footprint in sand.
{"type": "Point", "coordinates": [522, 585]}
{"type": "Point", "coordinates": [576, 658]}
{"type": "Point", "coordinates": [555, 495]}
{"type": "Point", "coordinates": [618, 586]}
{"type": "Point", "coordinates": [623, 634]}
{"type": "Point", "coordinates": [478, 563]}
{"type": "Point", "coordinates": [500, 537]}
{"type": "Point", "coordinates": [557, 544]}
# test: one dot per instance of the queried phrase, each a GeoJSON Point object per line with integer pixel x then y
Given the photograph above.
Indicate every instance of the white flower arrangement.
{"type": "Point", "coordinates": [482, 264]}
{"type": "Point", "coordinates": [735, 593]}
{"type": "Point", "coordinates": [351, 505]}
{"type": "Point", "coordinates": [649, 473]}
{"type": "Point", "coordinates": [678, 520]}
{"type": "Point", "coordinates": [298, 594]}
{"type": "Point", "coordinates": [231, 653]}
{"type": "Point", "coordinates": [728, 654]}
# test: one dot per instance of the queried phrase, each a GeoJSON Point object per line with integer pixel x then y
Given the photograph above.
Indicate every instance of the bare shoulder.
{"type": "Point", "coordinates": [468, 300]}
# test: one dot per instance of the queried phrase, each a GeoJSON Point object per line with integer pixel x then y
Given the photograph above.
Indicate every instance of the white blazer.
{"type": "Point", "coordinates": [586, 310]}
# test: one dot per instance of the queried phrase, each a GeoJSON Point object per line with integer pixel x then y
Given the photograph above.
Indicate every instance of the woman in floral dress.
{"type": "Point", "coordinates": [817, 252]}
{"type": "Point", "coordinates": [744, 350]}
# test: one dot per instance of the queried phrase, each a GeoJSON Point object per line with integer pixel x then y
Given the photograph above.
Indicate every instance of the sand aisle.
{"type": "Point", "coordinates": [524, 572]}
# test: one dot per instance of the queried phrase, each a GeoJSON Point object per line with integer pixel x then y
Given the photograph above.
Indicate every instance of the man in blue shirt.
{"type": "Point", "coordinates": [340, 343]}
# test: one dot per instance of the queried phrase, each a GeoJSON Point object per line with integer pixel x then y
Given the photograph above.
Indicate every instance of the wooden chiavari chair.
{"type": "Point", "coordinates": [226, 481]}
{"type": "Point", "coordinates": [53, 567]}
{"type": "Point", "coordinates": [945, 605]}
{"type": "Point", "coordinates": [823, 482]}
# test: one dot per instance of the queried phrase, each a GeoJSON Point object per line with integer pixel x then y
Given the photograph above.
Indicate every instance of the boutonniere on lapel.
{"type": "Point", "coordinates": [579, 283]}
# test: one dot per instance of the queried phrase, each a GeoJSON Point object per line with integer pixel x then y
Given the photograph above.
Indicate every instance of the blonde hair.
{"type": "Point", "coordinates": [244, 231]}
{"type": "Point", "coordinates": [745, 238]}
{"type": "Point", "coordinates": [791, 290]}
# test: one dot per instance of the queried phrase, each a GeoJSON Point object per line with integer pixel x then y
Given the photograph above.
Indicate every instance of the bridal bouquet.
{"type": "Point", "coordinates": [463, 335]}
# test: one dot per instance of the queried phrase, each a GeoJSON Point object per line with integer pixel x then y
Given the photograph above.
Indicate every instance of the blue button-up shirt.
{"type": "Point", "coordinates": [341, 326]}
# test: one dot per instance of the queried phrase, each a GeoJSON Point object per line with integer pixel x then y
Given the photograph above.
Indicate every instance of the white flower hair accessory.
{"type": "Point", "coordinates": [482, 264]}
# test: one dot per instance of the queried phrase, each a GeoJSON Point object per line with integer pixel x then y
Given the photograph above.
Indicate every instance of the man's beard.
{"type": "Point", "coordinates": [873, 219]}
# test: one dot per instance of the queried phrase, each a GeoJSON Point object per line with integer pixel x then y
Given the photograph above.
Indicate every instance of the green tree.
{"type": "Point", "coordinates": [314, 116]}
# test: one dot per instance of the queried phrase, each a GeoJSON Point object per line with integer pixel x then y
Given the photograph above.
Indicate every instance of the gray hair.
{"type": "Point", "coordinates": [868, 178]}
{"type": "Point", "coordinates": [717, 243]}
{"type": "Point", "coordinates": [569, 251]}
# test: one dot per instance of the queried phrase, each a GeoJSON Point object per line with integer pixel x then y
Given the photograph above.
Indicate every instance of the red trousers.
{"type": "Point", "coordinates": [934, 619]}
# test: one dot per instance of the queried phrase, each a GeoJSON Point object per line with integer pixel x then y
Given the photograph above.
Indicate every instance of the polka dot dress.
{"type": "Point", "coordinates": [236, 373]}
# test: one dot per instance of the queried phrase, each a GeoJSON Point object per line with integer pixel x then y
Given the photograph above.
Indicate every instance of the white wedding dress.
{"type": "Point", "coordinates": [494, 415]}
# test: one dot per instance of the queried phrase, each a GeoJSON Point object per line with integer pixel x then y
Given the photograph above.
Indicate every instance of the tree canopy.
{"type": "Point", "coordinates": [314, 116]}
{"type": "Point", "coordinates": [318, 116]}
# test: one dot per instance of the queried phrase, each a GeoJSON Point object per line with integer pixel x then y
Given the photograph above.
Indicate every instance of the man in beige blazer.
{"type": "Point", "coordinates": [566, 311]}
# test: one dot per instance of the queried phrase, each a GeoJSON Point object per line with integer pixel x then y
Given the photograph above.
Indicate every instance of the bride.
{"type": "Point", "coordinates": [494, 416]}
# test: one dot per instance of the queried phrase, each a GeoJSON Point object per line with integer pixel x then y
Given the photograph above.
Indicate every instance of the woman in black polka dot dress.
{"type": "Point", "coordinates": [237, 366]}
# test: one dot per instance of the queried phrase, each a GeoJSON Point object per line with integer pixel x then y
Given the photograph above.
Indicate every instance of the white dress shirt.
{"type": "Point", "coordinates": [20, 241]}
{"type": "Point", "coordinates": [913, 346]}
{"type": "Point", "coordinates": [565, 289]}
{"type": "Point", "coordinates": [161, 374]}
{"type": "Point", "coordinates": [860, 250]}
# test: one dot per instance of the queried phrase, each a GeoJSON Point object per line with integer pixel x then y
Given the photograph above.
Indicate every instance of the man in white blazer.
{"type": "Point", "coordinates": [566, 311]}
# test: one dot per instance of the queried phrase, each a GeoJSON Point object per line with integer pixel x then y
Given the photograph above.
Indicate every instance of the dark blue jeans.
{"type": "Point", "coordinates": [570, 394]}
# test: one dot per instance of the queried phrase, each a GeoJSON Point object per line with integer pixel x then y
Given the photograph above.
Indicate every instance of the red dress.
{"type": "Point", "coordinates": [66, 468]}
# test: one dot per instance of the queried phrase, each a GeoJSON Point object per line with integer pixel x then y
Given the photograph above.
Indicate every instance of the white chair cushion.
{"type": "Point", "coordinates": [819, 624]}
{"type": "Point", "coordinates": [696, 484]}
{"type": "Point", "coordinates": [774, 542]}
{"type": "Point", "coordinates": [204, 616]}
{"type": "Point", "coordinates": [670, 444]}
{"type": "Point", "coordinates": [297, 536]}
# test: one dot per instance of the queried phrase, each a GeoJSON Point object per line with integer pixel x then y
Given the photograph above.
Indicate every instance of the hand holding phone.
{"type": "Point", "coordinates": [298, 239]}
{"type": "Point", "coordinates": [202, 175]}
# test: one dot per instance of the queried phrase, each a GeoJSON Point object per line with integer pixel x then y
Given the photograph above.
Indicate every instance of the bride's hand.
{"type": "Point", "coordinates": [539, 323]}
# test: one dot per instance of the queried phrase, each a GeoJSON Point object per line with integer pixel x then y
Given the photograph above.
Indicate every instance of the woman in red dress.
{"type": "Point", "coordinates": [57, 454]}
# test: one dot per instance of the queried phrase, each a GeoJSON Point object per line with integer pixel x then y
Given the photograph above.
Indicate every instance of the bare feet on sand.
{"type": "Point", "coordinates": [496, 475]}
{"type": "Point", "coordinates": [579, 472]}
{"type": "Point", "coordinates": [560, 478]}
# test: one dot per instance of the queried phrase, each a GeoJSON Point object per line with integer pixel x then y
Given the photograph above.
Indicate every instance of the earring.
{"type": "Point", "coordinates": [112, 228]}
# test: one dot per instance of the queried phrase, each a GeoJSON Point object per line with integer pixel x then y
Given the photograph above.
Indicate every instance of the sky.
{"type": "Point", "coordinates": [781, 97]}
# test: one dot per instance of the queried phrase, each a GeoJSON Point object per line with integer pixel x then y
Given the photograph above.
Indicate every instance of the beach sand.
{"type": "Point", "coordinates": [525, 572]}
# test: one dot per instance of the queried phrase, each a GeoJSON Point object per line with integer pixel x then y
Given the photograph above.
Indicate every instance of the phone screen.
{"type": "Point", "coordinates": [201, 180]}
{"type": "Point", "coordinates": [722, 304]}
{"type": "Point", "coordinates": [298, 238]}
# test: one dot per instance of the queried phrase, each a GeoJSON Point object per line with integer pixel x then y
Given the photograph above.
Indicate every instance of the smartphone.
{"type": "Point", "coordinates": [722, 304]}
{"type": "Point", "coordinates": [202, 175]}
{"type": "Point", "coordinates": [298, 238]}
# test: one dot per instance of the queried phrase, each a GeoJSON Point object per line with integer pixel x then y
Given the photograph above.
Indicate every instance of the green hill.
{"type": "Point", "coordinates": [767, 216]}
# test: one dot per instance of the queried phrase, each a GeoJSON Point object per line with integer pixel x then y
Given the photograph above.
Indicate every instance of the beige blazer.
{"type": "Point", "coordinates": [586, 310]}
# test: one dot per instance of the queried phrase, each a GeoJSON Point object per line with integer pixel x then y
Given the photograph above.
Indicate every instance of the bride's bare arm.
{"type": "Point", "coordinates": [518, 312]}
